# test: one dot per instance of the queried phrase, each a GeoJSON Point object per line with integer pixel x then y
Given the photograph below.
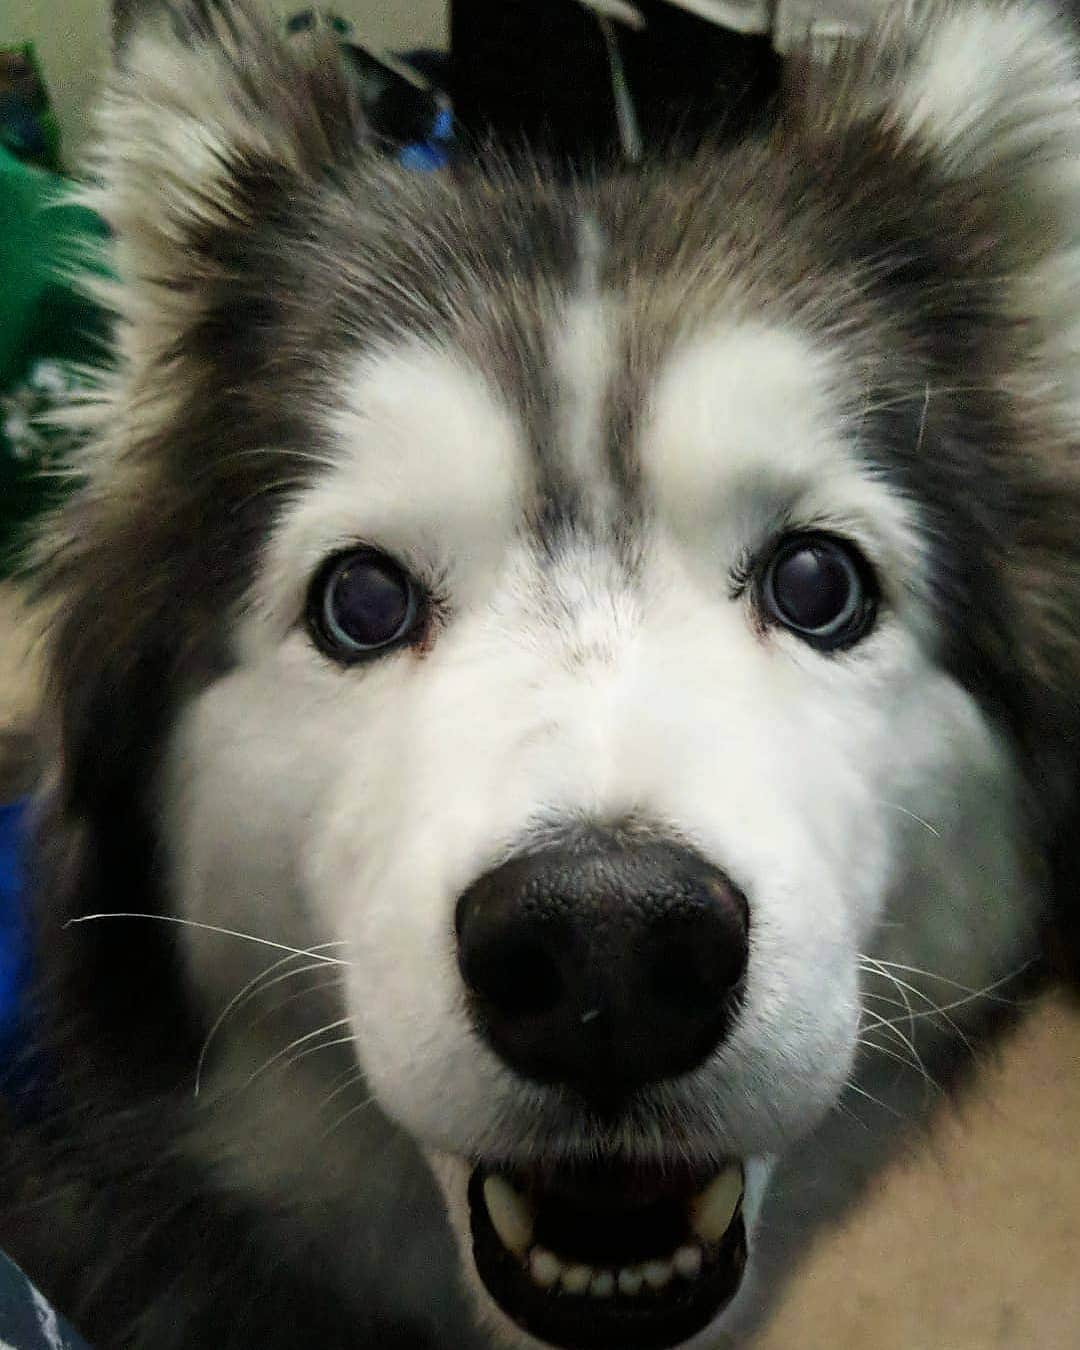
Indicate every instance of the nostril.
{"type": "Point", "coordinates": [697, 958]}
{"type": "Point", "coordinates": [691, 977]}
{"type": "Point", "coordinates": [679, 977]}
{"type": "Point", "coordinates": [517, 976]}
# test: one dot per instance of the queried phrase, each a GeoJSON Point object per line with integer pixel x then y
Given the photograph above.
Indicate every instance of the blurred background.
{"type": "Point", "coordinates": [973, 1243]}
{"type": "Point", "coordinates": [71, 37]}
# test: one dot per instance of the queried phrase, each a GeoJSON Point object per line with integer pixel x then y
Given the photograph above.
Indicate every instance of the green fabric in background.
{"type": "Point", "coordinates": [43, 318]}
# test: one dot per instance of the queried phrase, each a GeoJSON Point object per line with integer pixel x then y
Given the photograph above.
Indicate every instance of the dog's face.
{"type": "Point", "coordinates": [616, 617]}
{"type": "Point", "coordinates": [607, 823]}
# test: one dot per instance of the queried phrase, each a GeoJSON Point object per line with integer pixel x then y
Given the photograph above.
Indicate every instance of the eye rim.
{"type": "Point", "coordinates": [851, 626]}
{"type": "Point", "coordinates": [338, 645]}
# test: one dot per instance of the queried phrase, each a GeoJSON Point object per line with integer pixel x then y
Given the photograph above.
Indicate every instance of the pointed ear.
{"type": "Point", "coordinates": [986, 92]}
{"type": "Point", "coordinates": [210, 111]}
{"type": "Point", "coordinates": [989, 84]}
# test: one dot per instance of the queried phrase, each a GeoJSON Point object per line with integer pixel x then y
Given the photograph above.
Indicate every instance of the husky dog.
{"type": "Point", "coordinates": [563, 696]}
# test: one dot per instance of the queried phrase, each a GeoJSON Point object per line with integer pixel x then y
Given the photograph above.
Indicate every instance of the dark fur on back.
{"type": "Point", "coordinates": [303, 250]}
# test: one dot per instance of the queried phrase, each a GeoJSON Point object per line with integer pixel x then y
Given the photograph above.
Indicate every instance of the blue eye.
{"type": "Point", "coordinates": [362, 603]}
{"type": "Point", "coordinates": [821, 589]}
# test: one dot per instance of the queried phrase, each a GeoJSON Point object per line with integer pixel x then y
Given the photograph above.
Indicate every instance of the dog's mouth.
{"type": "Point", "coordinates": [609, 1257]}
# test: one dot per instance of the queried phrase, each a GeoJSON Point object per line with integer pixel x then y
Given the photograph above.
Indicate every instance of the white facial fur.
{"type": "Point", "coordinates": [318, 803]}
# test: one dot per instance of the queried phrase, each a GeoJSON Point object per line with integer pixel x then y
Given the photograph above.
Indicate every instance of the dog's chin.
{"type": "Point", "coordinates": [612, 1255]}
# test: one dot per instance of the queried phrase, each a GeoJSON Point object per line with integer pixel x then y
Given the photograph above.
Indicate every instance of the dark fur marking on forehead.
{"type": "Point", "coordinates": [625, 404]}
{"type": "Point", "coordinates": [485, 263]}
{"type": "Point", "coordinates": [527, 257]}
{"type": "Point", "coordinates": [520, 259]}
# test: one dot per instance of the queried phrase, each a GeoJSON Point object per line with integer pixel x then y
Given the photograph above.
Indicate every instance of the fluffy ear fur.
{"type": "Point", "coordinates": [985, 94]}
{"type": "Point", "coordinates": [209, 115]}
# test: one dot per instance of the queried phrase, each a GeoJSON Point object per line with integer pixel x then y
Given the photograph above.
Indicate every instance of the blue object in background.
{"type": "Point", "coordinates": [27, 1321]}
{"type": "Point", "coordinates": [21, 130]}
{"type": "Point", "coordinates": [403, 96]}
{"type": "Point", "coordinates": [14, 943]}
{"type": "Point", "coordinates": [435, 151]}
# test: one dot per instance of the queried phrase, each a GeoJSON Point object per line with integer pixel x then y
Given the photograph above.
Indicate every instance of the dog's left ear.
{"type": "Point", "coordinates": [210, 115]}
{"type": "Point", "coordinates": [983, 94]}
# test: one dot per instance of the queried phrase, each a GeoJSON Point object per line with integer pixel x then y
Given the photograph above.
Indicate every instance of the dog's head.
{"type": "Point", "coordinates": [615, 615]}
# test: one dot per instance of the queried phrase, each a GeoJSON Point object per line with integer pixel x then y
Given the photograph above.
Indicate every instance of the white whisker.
{"type": "Point", "coordinates": [922, 420]}
{"type": "Point", "coordinates": [279, 1055]}
{"type": "Point", "coordinates": [945, 979]}
{"type": "Point", "coordinates": [352, 1111]}
{"type": "Point", "coordinates": [353, 1078]}
{"type": "Point", "coordinates": [901, 988]}
{"type": "Point", "coordinates": [934, 1010]}
{"type": "Point", "coordinates": [853, 1087]}
{"type": "Point", "coordinates": [259, 984]}
{"type": "Point", "coordinates": [905, 1060]}
{"type": "Point", "coordinates": [895, 806]}
{"type": "Point", "coordinates": [870, 996]}
{"type": "Point", "coordinates": [325, 982]}
{"type": "Point", "coordinates": [912, 1058]}
{"type": "Point", "coordinates": [213, 928]}
{"type": "Point", "coordinates": [314, 1049]}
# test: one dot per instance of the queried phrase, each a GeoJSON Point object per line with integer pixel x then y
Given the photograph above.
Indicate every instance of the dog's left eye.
{"type": "Point", "coordinates": [821, 588]}
{"type": "Point", "coordinates": [362, 603]}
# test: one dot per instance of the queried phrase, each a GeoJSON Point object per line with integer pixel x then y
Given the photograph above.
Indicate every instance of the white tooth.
{"type": "Point", "coordinates": [687, 1262]}
{"type": "Point", "coordinates": [510, 1216]}
{"type": "Point", "coordinates": [576, 1279]}
{"type": "Point", "coordinates": [630, 1281]}
{"type": "Point", "coordinates": [603, 1285]}
{"type": "Point", "coordinates": [657, 1273]}
{"type": "Point", "coordinates": [715, 1207]}
{"type": "Point", "coordinates": [544, 1267]}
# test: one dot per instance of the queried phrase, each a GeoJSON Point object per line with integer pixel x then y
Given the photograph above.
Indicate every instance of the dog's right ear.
{"type": "Point", "coordinates": [211, 111]}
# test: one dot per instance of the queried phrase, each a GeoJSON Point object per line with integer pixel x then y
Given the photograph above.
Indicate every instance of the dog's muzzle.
{"type": "Point", "coordinates": [601, 967]}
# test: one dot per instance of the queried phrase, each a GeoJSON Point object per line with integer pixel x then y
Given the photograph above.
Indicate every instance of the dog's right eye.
{"type": "Point", "coordinates": [362, 603]}
{"type": "Point", "coordinates": [820, 588]}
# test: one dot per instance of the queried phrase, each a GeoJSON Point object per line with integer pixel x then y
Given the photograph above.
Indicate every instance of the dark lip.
{"type": "Point", "coordinates": [649, 1321]}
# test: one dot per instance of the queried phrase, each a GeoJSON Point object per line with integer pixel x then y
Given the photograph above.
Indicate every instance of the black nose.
{"type": "Point", "coordinates": [603, 965]}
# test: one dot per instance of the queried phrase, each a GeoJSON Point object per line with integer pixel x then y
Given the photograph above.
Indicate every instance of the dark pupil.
{"type": "Point", "coordinates": [369, 603]}
{"type": "Point", "coordinates": [812, 587]}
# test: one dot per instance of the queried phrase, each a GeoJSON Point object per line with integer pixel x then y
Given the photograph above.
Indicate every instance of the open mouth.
{"type": "Point", "coordinates": [606, 1257]}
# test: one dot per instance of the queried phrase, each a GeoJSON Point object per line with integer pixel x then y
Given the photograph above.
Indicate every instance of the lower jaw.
{"type": "Point", "coordinates": [648, 1308]}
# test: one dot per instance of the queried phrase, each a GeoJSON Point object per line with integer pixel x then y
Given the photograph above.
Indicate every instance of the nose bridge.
{"type": "Point", "coordinates": [590, 686]}
{"type": "Point", "coordinates": [628, 726]}
{"type": "Point", "coordinates": [590, 592]}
